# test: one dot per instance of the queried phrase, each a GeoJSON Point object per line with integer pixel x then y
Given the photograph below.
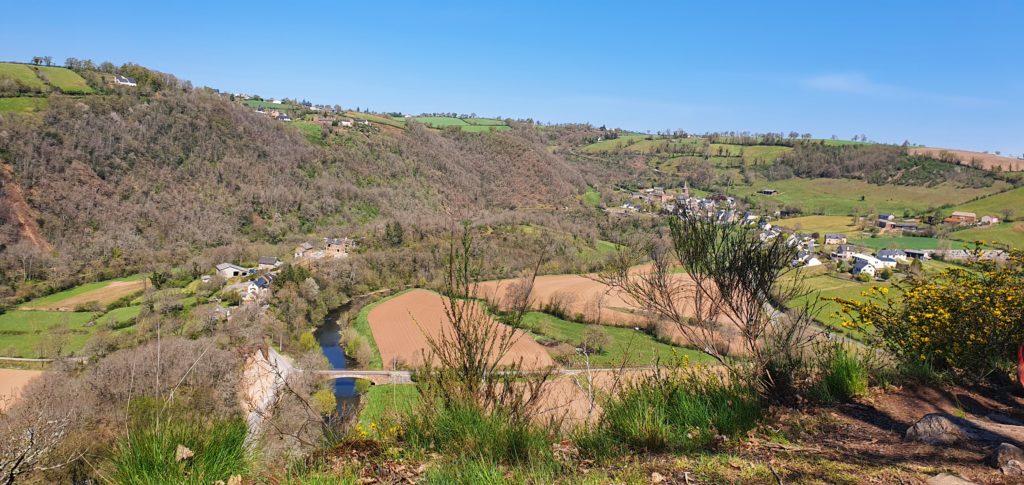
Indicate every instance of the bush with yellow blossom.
{"type": "Point", "coordinates": [968, 321]}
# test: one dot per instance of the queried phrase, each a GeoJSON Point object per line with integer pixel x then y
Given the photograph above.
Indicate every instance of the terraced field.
{"type": "Point", "coordinates": [23, 74]}
{"type": "Point", "coordinates": [66, 80]}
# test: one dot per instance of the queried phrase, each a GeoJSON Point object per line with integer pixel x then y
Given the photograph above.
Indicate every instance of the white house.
{"type": "Point", "coordinates": [858, 258]}
{"type": "Point", "coordinates": [863, 267]}
{"type": "Point", "coordinates": [228, 270]}
{"type": "Point", "coordinates": [831, 239]}
{"type": "Point", "coordinates": [124, 81]}
{"type": "Point", "coordinates": [895, 254]}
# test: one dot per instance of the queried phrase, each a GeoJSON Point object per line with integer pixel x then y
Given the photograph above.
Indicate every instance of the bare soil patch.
{"type": "Point", "coordinates": [400, 327]}
{"type": "Point", "coordinates": [987, 161]}
{"type": "Point", "coordinates": [11, 383]}
{"type": "Point", "coordinates": [104, 296]}
{"type": "Point", "coordinates": [583, 297]}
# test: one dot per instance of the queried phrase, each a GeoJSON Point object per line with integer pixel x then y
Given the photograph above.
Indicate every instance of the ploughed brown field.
{"type": "Point", "coordinates": [988, 161]}
{"type": "Point", "coordinates": [11, 383]}
{"type": "Point", "coordinates": [582, 296]}
{"type": "Point", "coordinates": [104, 296]}
{"type": "Point", "coordinates": [400, 327]}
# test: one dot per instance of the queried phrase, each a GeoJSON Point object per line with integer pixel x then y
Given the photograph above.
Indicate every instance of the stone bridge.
{"type": "Point", "coordinates": [375, 376]}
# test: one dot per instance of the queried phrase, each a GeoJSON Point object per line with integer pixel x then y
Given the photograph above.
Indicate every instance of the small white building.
{"type": "Point", "coordinates": [228, 270]}
{"type": "Point", "coordinates": [268, 262]}
{"type": "Point", "coordinates": [864, 267]}
{"type": "Point", "coordinates": [124, 81]}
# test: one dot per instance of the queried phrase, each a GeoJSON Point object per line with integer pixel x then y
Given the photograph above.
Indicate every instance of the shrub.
{"type": "Point", "coordinates": [674, 411]}
{"type": "Point", "coordinates": [89, 306]}
{"type": "Point", "coordinates": [324, 402]}
{"type": "Point", "coordinates": [842, 375]}
{"type": "Point", "coordinates": [147, 454]}
{"type": "Point", "coordinates": [966, 321]}
{"type": "Point", "coordinates": [595, 339]}
{"type": "Point", "coordinates": [307, 341]}
{"type": "Point", "coordinates": [863, 277]}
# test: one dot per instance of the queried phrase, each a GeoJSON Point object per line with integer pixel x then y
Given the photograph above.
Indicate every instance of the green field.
{"type": "Point", "coordinates": [592, 197]}
{"type": "Point", "coordinates": [23, 333]}
{"type": "Point", "coordinates": [993, 205]}
{"type": "Point", "coordinates": [56, 298]}
{"type": "Point", "coordinates": [613, 144]}
{"type": "Point", "coordinates": [907, 242]}
{"type": "Point", "coordinates": [827, 286]}
{"type": "Point", "coordinates": [255, 103]}
{"type": "Point", "coordinates": [821, 224]}
{"type": "Point", "coordinates": [484, 128]}
{"type": "Point", "coordinates": [385, 402]}
{"type": "Point", "coordinates": [474, 125]}
{"type": "Point", "coordinates": [1008, 233]}
{"type": "Point", "coordinates": [633, 347]}
{"type": "Point", "coordinates": [23, 104]}
{"type": "Point", "coordinates": [765, 154]}
{"type": "Point", "coordinates": [22, 73]}
{"type": "Point", "coordinates": [119, 316]}
{"type": "Point", "coordinates": [843, 196]}
{"type": "Point", "coordinates": [310, 130]}
{"type": "Point", "coordinates": [485, 121]}
{"type": "Point", "coordinates": [440, 121]}
{"type": "Point", "coordinates": [66, 80]}
{"type": "Point", "coordinates": [395, 122]}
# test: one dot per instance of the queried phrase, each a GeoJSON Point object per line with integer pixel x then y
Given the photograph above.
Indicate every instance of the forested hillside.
{"type": "Point", "coordinates": [143, 175]}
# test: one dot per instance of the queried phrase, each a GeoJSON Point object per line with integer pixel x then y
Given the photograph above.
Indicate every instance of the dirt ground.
{"type": "Point", "coordinates": [581, 294]}
{"type": "Point", "coordinates": [11, 383]}
{"type": "Point", "coordinates": [987, 160]}
{"type": "Point", "coordinates": [106, 295]}
{"type": "Point", "coordinates": [400, 326]}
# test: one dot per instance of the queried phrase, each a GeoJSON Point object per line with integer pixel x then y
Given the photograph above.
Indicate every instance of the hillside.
{"type": "Point", "coordinates": [987, 161]}
{"type": "Point", "coordinates": [32, 79]}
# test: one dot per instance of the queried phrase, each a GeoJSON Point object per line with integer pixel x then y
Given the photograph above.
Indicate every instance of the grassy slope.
{"type": "Point", "coordinates": [1009, 233]}
{"type": "Point", "coordinates": [23, 104]}
{"type": "Point", "coordinates": [842, 196]}
{"type": "Point", "coordinates": [994, 205]}
{"type": "Point", "coordinates": [387, 401]}
{"type": "Point", "coordinates": [612, 145]}
{"type": "Point", "coordinates": [56, 298]}
{"type": "Point", "coordinates": [441, 121]}
{"type": "Point", "coordinates": [592, 197]}
{"type": "Point", "coordinates": [635, 347]}
{"type": "Point", "coordinates": [395, 122]}
{"type": "Point", "coordinates": [822, 224]}
{"type": "Point", "coordinates": [119, 316]}
{"type": "Point", "coordinates": [66, 80]}
{"type": "Point", "coordinates": [22, 331]}
{"type": "Point", "coordinates": [22, 73]}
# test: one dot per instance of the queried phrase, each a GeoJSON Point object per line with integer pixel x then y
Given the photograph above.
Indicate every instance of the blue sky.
{"type": "Point", "coordinates": [940, 73]}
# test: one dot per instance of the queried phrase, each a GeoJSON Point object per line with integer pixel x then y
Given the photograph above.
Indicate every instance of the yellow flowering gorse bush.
{"type": "Point", "coordinates": [970, 321]}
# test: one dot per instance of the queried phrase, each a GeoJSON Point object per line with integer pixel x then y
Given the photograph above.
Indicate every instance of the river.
{"type": "Point", "coordinates": [328, 335]}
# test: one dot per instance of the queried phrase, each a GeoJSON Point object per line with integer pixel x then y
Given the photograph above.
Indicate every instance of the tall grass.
{"type": "Point", "coordinates": [468, 431]}
{"type": "Point", "coordinates": [147, 454]}
{"type": "Point", "coordinates": [675, 411]}
{"type": "Point", "coordinates": [843, 376]}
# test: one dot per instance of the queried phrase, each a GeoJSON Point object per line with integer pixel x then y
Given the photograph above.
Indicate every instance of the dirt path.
{"type": "Point", "coordinates": [400, 327]}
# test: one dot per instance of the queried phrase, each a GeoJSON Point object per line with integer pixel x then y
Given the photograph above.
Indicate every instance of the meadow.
{"type": "Point", "coordinates": [395, 122]}
{"type": "Point", "coordinates": [24, 104]}
{"type": "Point", "coordinates": [474, 125]}
{"type": "Point", "coordinates": [22, 73]}
{"type": "Point", "coordinates": [1007, 233]}
{"type": "Point", "coordinates": [24, 333]}
{"type": "Point", "coordinates": [844, 196]}
{"type": "Point", "coordinates": [820, 224]}
{"type": "Point", "coordinates": [383, 403]}
{"type": "Point", "coordinates": [626, 345]}
{"type": "Point", "coordinates": [66, 80]}
{"type": "Point", "coordinates": [100, 291]}
{"type": "Point", "coordinates": [994, 204]}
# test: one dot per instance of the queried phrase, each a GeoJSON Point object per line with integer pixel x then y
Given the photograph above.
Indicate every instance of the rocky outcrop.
{"type": "Point", "coordinates": [1008, 458]}
{"type": "Point", "coordinates": [946, 429]}
{"type": "Point", "coordinates": [264, 375]}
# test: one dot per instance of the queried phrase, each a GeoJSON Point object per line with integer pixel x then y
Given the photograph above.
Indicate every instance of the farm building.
{"type": "Point", "coordinates": [894, 254]}
{"type": "Point", "coordinates": [268, 262]}
{"type": "Point", "coordinates": [835, 239]}
{"type": "Point", "coordinates": [302, 249]}
{"type": "Point", "coordinates": [767, 191]}
{"type": "Point", "coordinates": [961, 217]}
{"type": "Point", "coordinates": [339, 246]}
{"type": "Point", "coordinates": [228, 270]}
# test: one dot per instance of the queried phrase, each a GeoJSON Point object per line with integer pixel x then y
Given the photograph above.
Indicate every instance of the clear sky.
{"type": "Point", "coordinates": [940, 73]}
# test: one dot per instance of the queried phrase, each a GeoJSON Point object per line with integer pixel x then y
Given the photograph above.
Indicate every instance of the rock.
{"type": "Point", "coordinates": [182, 453]}
{"type": "Point", "coordinates": [657, 478]}
{"type": "Point", "coordinates": [935, 429]}
{"type": "Point", "coordinates": [1008, 458]}
{"type": "Point", "coordinates": [235, 480]}
{"type": "Point", "coordinates": [948, 479]}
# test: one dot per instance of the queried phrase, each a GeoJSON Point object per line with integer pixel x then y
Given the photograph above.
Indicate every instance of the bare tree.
{"type": "Point", "coordinates": [466, 364]}
{"type": "Point", "coordinates": [735, 283]}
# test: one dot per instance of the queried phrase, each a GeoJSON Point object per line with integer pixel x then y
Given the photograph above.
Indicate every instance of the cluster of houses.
{"type": "Point", "coordinates": [332, 247]}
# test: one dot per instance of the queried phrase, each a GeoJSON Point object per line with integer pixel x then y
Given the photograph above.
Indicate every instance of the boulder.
{"type": "Point", "coordinates": [935, 429]}
{"type": "Point", "coordinates": [1009, 459]}
{"type": "Point", "coordinates": [948, 479]}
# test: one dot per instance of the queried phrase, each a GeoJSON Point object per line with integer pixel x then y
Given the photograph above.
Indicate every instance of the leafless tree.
{"type": "Point", "coordinates": [735, 282]}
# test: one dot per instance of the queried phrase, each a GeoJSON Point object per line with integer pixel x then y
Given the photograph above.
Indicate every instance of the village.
{"type": "Point", "coordinates": [859, 261]}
